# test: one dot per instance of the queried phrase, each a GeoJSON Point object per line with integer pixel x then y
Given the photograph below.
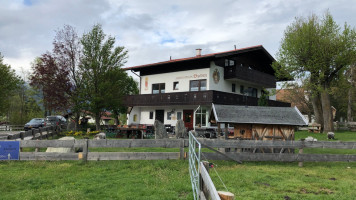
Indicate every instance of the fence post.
{"type": "Point", "coordinates": [300, 164]}
{"type": "Point", "coordinates": [40, 130]}
{"type": "Point", "coordinates": [22, 135]}
{"type": "Point", "coordinates": [33, 133]}
{"type": "Point", "coordinates": [85, 150]}
{"type": "Point", "coordinates": [226, 195]}
{"type": "Point", "coordinates": [181, 154]}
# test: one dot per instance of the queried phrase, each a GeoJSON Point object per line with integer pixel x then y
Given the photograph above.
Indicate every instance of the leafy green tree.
{"type": "Point", "coordinates": [321, 51]}
{"type": "Point", "coordinates": [128, 87]}
{"type": "Point", "coordinates": [101, 71]}
{"type": "Point", "coordinates": [263, 100]}
{"type": "Point", "coordinates": [9, 83]}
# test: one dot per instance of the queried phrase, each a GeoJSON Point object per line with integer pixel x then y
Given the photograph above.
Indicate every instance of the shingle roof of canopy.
{"type": "Point", "coordinates": [258, 115]}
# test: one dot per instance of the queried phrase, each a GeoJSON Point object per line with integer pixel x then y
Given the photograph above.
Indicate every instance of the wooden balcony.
{"type": "Point", "coordinates": [195, 98]}
{"type": "Point", "coordinates": [254, 76]}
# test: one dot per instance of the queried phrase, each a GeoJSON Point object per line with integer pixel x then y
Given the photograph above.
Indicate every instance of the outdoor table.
{"type": "Point", "coordinates": [130, 130]}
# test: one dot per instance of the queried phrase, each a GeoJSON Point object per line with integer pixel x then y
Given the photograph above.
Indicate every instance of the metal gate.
{"type": "Point", "coordinates": [194, 161]}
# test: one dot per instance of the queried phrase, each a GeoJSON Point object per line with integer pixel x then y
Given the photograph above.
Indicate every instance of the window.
{"type": "Point", "coordinates": [233, 87]}
{"type": "Point", "coordinates": [200, 117]}
{"type": "Point", "coordinates": [176, 85]}
{"type": "Point", "coordinates": [198, 85]}
{"type": "Point", "coordinates": [179, 115]}
{"type": "Point", "coordinates": [135, 118]}
{"type": "Point", "coordinates": [229, 63]}
{"type": "Point", "coordinates": [169, 115]}
{"type": "Point", "coordinates": [158, 88]}
{"type": "Point", "coordinates": [242, 89]}
{"type": "Point", "coordinates": [252, 92]}
{"type": "Point", "coordinates": [151, 115]}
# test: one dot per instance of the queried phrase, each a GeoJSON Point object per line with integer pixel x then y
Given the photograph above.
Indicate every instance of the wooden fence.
{"type": "Point", "coordinates": [181, 144]}
{"type": "Point", "coordinates": [6, 127]}
{"type": "Point", "coordinates": [33, 134]}
{"type": "Point", "coordinates": [283, 157]}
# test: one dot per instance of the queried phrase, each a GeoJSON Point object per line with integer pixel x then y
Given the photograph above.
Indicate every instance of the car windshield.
{"type": "Point", "coordinates": [36, 121]}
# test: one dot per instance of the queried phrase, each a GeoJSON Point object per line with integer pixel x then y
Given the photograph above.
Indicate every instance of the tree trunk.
{"type": "Point", "coordinates": [349, 106]}
{"type": "Point", "coordinates": [318, 112]}
{"type": "Point", "coordinates": [327, 113]}
{"type": "Point", "coordinates": [76, 121]}
{"type": "Point", "coordinates": [117, 120]}
{"type": "Point", "coordinates": [97, 121]}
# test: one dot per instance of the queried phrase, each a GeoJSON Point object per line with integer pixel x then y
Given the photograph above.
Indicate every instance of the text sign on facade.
{"type": "Point", "coordinates": [9, 150]}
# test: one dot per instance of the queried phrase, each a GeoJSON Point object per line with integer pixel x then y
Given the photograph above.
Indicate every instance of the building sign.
{"type": "Point", "coordinates": [193, 76]}
{"type": "Point", "coordinates": [216, 76]}
{"type": "Point", "coordinates": [9, 150]}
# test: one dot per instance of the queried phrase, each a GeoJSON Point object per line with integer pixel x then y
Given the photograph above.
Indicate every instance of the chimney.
{"type": "Point", "coordinates": [198, 51]}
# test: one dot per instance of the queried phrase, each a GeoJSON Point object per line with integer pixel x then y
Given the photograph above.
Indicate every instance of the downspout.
{"type": "Point", "coordinates": [132, 71]}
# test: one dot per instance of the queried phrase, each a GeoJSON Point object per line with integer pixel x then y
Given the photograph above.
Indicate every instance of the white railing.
{"type": "Point", "coordinates": [194, 162]}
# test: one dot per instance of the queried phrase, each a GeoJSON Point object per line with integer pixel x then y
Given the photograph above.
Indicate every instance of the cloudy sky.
{"type": "Point", "coordinates": [154, 30]}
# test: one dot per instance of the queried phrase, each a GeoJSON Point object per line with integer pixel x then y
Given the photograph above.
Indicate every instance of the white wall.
{"type": "Point", "coordinates": [143, 114]}
{"type": "Point", "coordinates": [130, 117]}
{"type": "Point", "coordinates": [183, 77]}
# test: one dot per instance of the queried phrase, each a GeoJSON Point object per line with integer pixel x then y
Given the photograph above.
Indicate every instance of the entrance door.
{"type": "Point", "coordinates": [160, 115]}
{"type": "Point", "coordinates": [188, 119]}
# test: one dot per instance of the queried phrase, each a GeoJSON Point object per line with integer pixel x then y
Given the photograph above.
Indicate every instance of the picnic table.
{"type": "Point", "coordinates": [132, 131]}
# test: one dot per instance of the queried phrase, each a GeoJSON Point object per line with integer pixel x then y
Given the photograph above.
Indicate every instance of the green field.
{"type": "Point", "coordinates": [169, 179]}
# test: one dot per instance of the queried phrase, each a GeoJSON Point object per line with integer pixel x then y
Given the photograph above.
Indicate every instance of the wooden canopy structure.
{"type": "Point", "coordinates": [257, 122]}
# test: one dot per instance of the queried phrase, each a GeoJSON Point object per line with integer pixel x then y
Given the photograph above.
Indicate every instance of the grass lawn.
{"type": "Point", "coordinates": [169, 179]}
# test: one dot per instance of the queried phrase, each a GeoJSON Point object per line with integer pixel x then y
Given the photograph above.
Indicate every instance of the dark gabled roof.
{"type": "Point", "coordinates": [258, 115]}
{"type": "Point", "coordinates": [212, 55]}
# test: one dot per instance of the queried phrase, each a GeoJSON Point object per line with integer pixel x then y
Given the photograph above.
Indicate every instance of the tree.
{"type": "Point", "coordinates": [52, 80]}
{"type": "Point", "coordinates": [263, 100]}
{"type": "Point", "coordinates": [101, 71]}
{"type": "Point", "coordinates": [299, 96]}
{"type": "Point", "coordinates": [9, 83]}
{"type": "Point", "coordinates": [67, 52]}
{"type": "Point", "coordinates": [319, 50]}
{"type": "Point", "coordinates": [343, 93]}
{"type": "Point", "coordinates": [351, 73]}
{"type": "Point", "coordinates": [128, 87]}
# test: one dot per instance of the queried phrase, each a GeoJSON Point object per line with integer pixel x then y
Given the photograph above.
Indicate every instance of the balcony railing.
{"type": "Point", "coordinates": [257, 77]}
{"type": "Point", "coordinates": [195, 98]}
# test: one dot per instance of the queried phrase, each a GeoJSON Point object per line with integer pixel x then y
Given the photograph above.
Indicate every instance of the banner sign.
{"type": "Point", "coordinates": [9, 150]}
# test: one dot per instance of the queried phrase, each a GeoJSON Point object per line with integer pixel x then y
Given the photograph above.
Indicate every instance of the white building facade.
{"type": "Point", "coordinates": [184, 89]}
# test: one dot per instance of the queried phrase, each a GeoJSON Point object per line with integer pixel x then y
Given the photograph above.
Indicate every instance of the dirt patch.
{"type": "Point", "coordinates": [320, 191]}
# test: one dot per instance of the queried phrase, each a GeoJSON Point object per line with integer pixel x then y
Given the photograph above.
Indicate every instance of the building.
{"type": "Point", "coordinates": [258, 122]}
{"type": "Point", "coordinates": [185, 89]}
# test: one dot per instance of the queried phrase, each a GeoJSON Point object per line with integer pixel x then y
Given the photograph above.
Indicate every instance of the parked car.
{"type": "Point", "coordinates": [34, 123]}
{"type": "Point", "coordinates": [55, 120]}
